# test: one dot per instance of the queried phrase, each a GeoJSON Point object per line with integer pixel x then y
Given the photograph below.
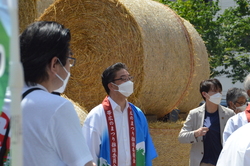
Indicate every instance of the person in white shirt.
{"type": "Point", "coordinates": [51, 129]}
{"type": "Point", "coordinates": [241, 118]}
{"type": "Point", "coordinates": [236, 151]}
{"type": "Point", "coordinates": [117, 131]}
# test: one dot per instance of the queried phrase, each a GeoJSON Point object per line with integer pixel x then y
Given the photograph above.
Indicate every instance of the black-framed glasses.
{"type": "Point", "coordinates": [241, 104]}
{"type": "Point", "coordinates": [72, 61]}
{"type": "Point", "coordinates": [125, 78]}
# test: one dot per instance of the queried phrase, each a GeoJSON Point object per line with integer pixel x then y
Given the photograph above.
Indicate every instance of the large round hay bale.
{"type": "Point", "coordinates": [192, 97]}
{"type": "Point", "coordinates": [172, 58]}
{"type": "Point", "coordinates": [102, 33]}
{"type": "Point", "coordinates": [146, 35]}
{"type": "Point", "coordinates": [27, 13]}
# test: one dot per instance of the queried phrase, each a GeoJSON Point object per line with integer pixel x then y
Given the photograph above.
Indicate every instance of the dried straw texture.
{"type": "Point", "coordinates": [42, 5]}
{"type": "Point", "coordinates": [170, 151]}
{"type": "Point", "coordinates": [27, 13]}
{"type": "Point", "coordinates": [146, 35]}
{"type": "Point", "coordinates": [103, 33]}
{"type": "Point", "coordinates": [192, 97]}
{"type": "Point", "coordinates": [168, 56]}
{"type": "Point", "coordinates": [81, 112]}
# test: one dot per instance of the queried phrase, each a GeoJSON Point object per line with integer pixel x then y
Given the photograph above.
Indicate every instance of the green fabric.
{"type": "Point", "coordinates": [4, 67]}
{"type": "Point", "coordinates": [140, 157]}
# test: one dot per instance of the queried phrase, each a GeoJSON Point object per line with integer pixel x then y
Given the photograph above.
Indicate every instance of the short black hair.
{"type": "Point", "coordinates": [210, 84]}
{"type": "Point", "coordinates": [109, 74]}
{"type": "Point", "coordinates": [39, 43]}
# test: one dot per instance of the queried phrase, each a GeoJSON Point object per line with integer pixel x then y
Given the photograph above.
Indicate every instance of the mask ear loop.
{"type": "Point", "coordinates": [62, 66]}
{"type": "Point", "coordinates": [115, 85]}
{"type": "Point", "coordinates": [52, 65]}
{"type": "Point", "coordinates": [59, 77]}
{"type": "Point", "coordinates": [207, 96]}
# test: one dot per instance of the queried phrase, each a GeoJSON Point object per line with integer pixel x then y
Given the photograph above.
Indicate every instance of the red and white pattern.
{"type": "Point", "coordinates": [113, 135]}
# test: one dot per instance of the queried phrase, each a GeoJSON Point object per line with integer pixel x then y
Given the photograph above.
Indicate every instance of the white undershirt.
{"type": "Point", "coordinates": [122, 130]}
{"type": "Point", "coordinates": [95, 124]}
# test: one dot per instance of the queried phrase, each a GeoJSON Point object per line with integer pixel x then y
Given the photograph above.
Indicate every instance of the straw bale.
{"type": "Point", "coordinates": [192, 97]}
{"type": "Point", "coordinates": [146, 35]}
{"type": "Point", "coordinates": [169, 56]}
{"type": "Point", "coordinates": [27, 13]}
{"type": "Point", "coordinates": [103, 33]}
{"type": "Point", "coordinates": [42, 5]}
{"type": "Point", "coordinates": [170, 151]}
{"type": "Point", "coordinates": [81, 112]}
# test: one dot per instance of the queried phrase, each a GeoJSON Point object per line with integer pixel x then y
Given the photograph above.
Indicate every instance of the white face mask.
{"type": "Point", "coordinates": [62, 88]}
{"type": "Point", "coordinates": [216, 98]}
{"type": "Point", "coordinates": [126, 88]}
{"type": "Point", "coordinates": [242, 108]}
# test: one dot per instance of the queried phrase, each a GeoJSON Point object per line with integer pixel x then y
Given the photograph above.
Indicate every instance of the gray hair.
{"type": "Point", "coordinates": [234, 93]}
{"type": "Point", "coordinates": [247, 83]}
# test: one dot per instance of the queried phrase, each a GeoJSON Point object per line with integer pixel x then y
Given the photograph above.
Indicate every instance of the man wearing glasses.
{"type": "Point", "coordinates": [116, 131]}
{"type": "Point", "coordinates": [51, 128]}
{"type": "Point", "coordinates": [242, 118]}
{"type": "Point", "coordinates": [237, 99]}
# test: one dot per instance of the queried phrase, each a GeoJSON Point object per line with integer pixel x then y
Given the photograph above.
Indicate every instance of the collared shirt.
{"type": "Point", "coordinates": [95, 124]}
{"type": "Point", "coordinates": [122, 129]}
{"type": "Point", "coordinates": [233, 124]}
{"type": "Point", "coordinates": [51, 131]}
{"type": "Point", "coordinates": [236, 150]}
{"type": "Point", "coordinates": [195, 120]}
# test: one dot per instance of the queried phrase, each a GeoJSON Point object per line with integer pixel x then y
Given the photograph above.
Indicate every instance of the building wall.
{"type": "Point", "coordinates": [227, 84]}
{"type": "Point", "coordinates": [225, 4]}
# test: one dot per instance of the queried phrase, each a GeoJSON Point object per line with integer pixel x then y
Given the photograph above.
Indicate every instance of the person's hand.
{"type": "Point", "coordinates": [201, 132]}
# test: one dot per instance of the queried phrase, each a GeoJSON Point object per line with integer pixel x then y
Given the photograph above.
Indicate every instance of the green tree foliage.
{"type": "Point", "coordinates": [226, 35]}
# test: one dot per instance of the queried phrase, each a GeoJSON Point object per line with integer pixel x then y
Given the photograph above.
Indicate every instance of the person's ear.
{"type": "Point", "coordinates": [204, 94]}
{"type": "Point", "coordinates": [53, 64]}
{"type": "Point", "coordinates": [111, 86]}
{"type": "Point", "coordinates": [231, 105]}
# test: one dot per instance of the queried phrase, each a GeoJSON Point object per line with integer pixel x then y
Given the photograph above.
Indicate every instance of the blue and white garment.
{"type": "Point", "coordinates": [145, 150]}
